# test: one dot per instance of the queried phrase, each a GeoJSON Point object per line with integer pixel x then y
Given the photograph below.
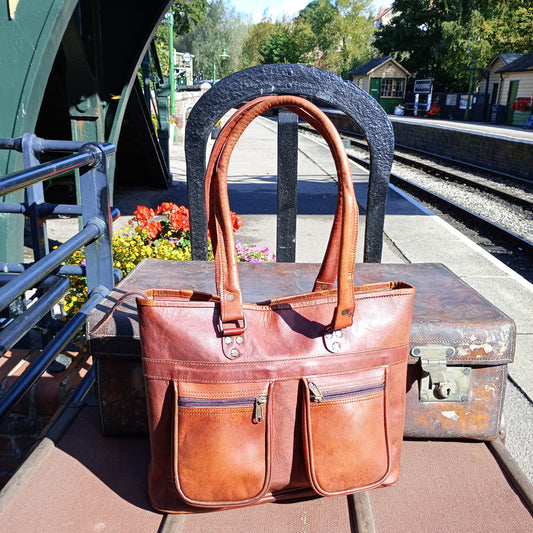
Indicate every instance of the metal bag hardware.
{"type": "Point", "coordinates": [441, 383]}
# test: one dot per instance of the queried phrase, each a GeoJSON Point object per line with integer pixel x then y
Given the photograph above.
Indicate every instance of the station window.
{"type": "Point", "coordinates": [391, 88]}
{"type": "Point", "coordinates": [360, 82]}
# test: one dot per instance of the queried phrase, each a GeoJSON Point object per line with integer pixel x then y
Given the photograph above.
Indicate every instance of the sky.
{"type": "Point", "coordinates": [276, 8]}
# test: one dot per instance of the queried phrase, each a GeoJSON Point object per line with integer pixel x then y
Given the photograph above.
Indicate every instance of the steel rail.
{"type": "Point", "coordinates": [459, 212]}
{"type": "Point", "coordinates": [358, 139]}
{"type": "Point", "coordinates": [452, 176]}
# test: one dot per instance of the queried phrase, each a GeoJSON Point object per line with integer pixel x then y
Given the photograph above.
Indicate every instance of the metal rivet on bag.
{"type": "Point", "coordinates": [230, 297]}
{"type": "Point", "coordinates": [345, 312]}
{"type": "Point", "coordinates": [324, 286]}
{"type": "Point", "coordinates": [336, 347]}
{"type": "Point", "coordinates": [239, 340]}
{"type": "Point", "coordinates": [234, 353]}
{"type": "Point", "coordinates": [228, 340]}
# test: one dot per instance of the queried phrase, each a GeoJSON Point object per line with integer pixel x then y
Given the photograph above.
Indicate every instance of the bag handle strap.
{"type": "Point", "coordinates": [219, 219]}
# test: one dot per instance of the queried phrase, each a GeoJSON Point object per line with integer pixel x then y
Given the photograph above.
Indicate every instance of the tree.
{"type": "Point", "coordinates": [288, 43]}
{"type": "Point", "coordinates": [510, 31]}
{"type": "Point", "coordinates": [186, 17]}
{"type": "Point", "coordinates": [222, 30]}
{"type": "Point", "coordinates": [333, 35]}
{"type": "Point", "coordinates": [355, 36]}
{"type": "Point", "coordinates": [443, 39]}
{"type": "Point", "coordinates": [257, 37]}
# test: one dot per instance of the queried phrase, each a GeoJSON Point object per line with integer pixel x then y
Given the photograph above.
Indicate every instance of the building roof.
{"type": "Point", "coordinates": [506, 58]}
{"type": "Point", "coordinates": [382, 12]}
{"type": "Point", "coordinates": [522, 63]}
{"type": "Point", "coordinates": [373, 64]}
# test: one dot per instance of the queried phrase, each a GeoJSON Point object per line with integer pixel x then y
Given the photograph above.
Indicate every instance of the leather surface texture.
{"type": "Point", "coordinates": [300, 395]}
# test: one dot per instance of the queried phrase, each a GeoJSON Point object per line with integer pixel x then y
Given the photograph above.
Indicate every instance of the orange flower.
{"type": "Point", "coordinates": [143, 214]}
{"type": "Point", "coordinates": [236, 221]}
{"type": "Point", "coordinates": [153, 229]}
{"type": "Point", "coordinates": [167, 208]}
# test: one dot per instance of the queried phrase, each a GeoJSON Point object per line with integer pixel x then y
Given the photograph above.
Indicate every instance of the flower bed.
{"type": "Point", "coordinates": [163, 233]}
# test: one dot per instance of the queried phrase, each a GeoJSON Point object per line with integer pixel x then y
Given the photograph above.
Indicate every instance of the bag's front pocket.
{"type": "Point", "coordinates": [221, 446]}
{"type": "Point", "coordinates": [345, 431]}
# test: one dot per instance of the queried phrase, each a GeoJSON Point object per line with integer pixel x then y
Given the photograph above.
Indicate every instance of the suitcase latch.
{"type": "Point", "coordinates": [439, 382]}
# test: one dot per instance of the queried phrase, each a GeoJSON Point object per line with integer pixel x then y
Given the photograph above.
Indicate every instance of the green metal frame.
{"type": "Point", "coordinates": [96, 46]}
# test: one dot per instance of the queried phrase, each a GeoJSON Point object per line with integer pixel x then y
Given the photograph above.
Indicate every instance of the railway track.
{"type": "Point", "coordinates": [514, 190]}
{"type": "Point", "coordinates": [418, 174]}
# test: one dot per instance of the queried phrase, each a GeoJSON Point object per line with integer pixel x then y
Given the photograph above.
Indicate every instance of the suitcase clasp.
{"type": "Point", "coordinates": [439, 382]}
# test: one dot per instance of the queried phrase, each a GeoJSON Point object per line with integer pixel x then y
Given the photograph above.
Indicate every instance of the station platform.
{"type": "Point", "coordinates": [116, 480]}
{"type": "Point", "coordinates": [485, 128]}
{"type": "Point", "coordinates": [505, 149]}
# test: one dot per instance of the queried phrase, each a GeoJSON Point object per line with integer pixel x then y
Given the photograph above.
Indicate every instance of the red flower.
{"type": "Point", "coordinates": [236, 220]}
{"type": "Point", "coordinates": [153, 229]}
{"type": "Point", "coordinates": [167, 208]}
{"type": "Point", "coordinates": [143, 214]}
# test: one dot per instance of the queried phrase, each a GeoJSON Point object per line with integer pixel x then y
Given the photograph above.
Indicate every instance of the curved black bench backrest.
{"type": "Point", "coordinates": [304, 81]}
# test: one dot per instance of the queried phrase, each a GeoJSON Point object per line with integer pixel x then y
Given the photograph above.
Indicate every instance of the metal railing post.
{"type": "Point", "coordinates": [97, 208]}
{"type": "Point", "coordinates": [34, 198]}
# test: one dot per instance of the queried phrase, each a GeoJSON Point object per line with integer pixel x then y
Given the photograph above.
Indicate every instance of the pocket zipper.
{"type": "Point", "coordinates": [317, 396]}
{"type": "Point", "coordinates": [258, 404]}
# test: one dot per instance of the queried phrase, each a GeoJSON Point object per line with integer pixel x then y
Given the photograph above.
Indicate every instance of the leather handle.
{"type": "Point", "coordinates": [328, 271]}
{"type": "Point", "coordinates": [219, 218]}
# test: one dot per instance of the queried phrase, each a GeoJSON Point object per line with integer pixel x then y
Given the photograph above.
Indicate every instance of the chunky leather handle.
{"type": "Point", "coordinates": [219, 218]}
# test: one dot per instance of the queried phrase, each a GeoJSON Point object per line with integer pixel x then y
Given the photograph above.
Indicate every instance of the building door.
{"type": "Point", "coordinates": [494, 95]}
{"type": "Point", "coordinates": [375, 84]}
{"type": "Point", "coordinates": [511, 98]}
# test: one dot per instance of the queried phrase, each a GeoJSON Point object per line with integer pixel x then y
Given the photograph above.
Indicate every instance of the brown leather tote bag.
{"type": "Point", "coordinates": [296, 396]}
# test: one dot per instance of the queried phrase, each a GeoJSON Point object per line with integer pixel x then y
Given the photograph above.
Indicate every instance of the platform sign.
{"type": "Point", "coordinates": [424, 86]}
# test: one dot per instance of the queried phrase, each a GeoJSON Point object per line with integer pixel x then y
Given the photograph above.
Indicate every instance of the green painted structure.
{"type": "Point", "coordinates": [68, 68]}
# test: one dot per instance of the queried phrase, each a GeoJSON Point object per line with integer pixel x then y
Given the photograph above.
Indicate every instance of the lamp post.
{"type": "Point", "coordinates": [222, 56]}
{"type": "Point", "coordinates": [171, 62]}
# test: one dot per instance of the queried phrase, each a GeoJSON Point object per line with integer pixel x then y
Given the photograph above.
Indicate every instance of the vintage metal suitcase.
{"type": "Point", "coordinates": [460, 343]}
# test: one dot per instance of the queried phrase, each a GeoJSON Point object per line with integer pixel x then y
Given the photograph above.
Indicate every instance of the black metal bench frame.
{"type": "Point", "coordinates": [311, 83]}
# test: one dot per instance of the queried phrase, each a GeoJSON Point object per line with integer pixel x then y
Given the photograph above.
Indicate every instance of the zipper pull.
{"type": "Point", "coordinates": [259, 413]}
{"type": "Point", "coordinates": [316, 395]}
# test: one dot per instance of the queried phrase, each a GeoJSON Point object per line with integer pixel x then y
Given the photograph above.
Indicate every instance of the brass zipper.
{"type": "Point", "coordinates": [258, 404]}
{"type": "Point", "coordinates": [317, 396]}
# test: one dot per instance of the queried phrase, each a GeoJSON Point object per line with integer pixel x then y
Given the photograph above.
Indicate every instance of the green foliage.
{"type": "Point", "coordinates": [257, 37]}
{"type": "Point", "coordinates": [186, 17]}
{"type": "Point", "coordinates": [444, 38]}
{"type": "Point", "coordinates": [222, 29]}
{"type": "Point", "coordinates": [333, 35]}
{"type": "Point", "coordinates": [511, 31]}
{"type": "Point", "coordinates": [288, 43]}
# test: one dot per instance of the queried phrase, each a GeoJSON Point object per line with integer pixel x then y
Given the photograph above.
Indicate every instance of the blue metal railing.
{"type": "Point", "coordinates": [46, 273]}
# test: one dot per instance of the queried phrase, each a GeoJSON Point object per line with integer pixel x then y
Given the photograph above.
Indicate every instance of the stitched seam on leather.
{"type": "Point", "coordinates": [286, 378]}
{"type": "Point", "coordinates": [311, 300]}
{"type": "Point", "coordinates": [503, 375]}
{"type": "Point", "coordinates": [284, 361]}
